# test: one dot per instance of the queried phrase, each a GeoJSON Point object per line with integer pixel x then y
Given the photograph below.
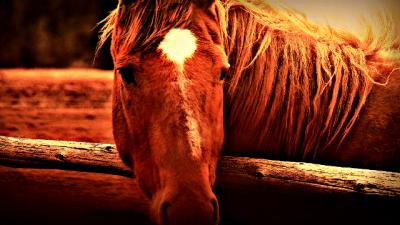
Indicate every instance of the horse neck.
{"type": "Point", "coordinates": [289, 94]}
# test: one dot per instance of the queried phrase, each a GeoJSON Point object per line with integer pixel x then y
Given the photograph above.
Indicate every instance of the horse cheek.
{"type": "Point", "coordinates": [121, 129]}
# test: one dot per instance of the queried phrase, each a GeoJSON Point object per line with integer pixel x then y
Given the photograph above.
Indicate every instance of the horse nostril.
{"type": "Point", "coordinates": [164, 213]}
{"type": "Point", "coordinates": [195, 211]}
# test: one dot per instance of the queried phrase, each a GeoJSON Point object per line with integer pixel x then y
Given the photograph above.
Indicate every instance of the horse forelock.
{"type": "Point", "coordinates": [141, 26]}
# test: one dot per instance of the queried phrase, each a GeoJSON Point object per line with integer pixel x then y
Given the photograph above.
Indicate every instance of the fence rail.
{"type": "Point", "coordinates": [251, 191]}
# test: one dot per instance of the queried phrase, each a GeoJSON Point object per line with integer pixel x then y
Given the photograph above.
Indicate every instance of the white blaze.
{"type": "Point", "coordinates": [177, 46]}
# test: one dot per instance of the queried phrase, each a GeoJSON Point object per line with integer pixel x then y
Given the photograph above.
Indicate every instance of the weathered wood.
{"type": "Point", "coordinates": [97, 157]}
{"type": "Point", "coordinates": [81, 156]}
{"type": "Point", "coordinates": [251, 191]}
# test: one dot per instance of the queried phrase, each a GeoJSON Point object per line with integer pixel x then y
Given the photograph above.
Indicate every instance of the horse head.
{"type": "Point", "coordinates": [168, 103]}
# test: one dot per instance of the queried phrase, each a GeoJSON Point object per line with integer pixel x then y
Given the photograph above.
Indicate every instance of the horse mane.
{"type": "Point", "coordinates": [293, 86]}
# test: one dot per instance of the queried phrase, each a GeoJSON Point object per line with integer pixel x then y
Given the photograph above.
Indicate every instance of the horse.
{"type": "Point", "coordinates": [194, 79]}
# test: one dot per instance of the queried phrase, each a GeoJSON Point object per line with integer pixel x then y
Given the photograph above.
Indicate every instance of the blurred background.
{"type": "Point", "coordinates": [63, 33]}
{"type": "Point", "coordinates": [50, 86]}
{"type": "Point", "coordinates": [349, 15]}
{"type": "Point", "coordinates": [52, 33]}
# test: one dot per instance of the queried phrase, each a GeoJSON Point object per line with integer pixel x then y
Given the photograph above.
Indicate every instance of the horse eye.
{"type": "Point", "coordinates": [127, 75]}
{"type": "Point", "coordinates": [223, 74]}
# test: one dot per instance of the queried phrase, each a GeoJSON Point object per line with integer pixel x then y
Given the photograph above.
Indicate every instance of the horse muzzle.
{"type": "Point", "coordinates": [184, 206]}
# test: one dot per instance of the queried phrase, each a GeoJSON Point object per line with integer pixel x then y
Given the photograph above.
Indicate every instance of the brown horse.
{"type": "Point", "coordinates": [189, 73]}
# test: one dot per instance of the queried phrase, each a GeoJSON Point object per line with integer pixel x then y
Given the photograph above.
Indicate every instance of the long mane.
{"type": "Point", "coordinates": [294, 88]}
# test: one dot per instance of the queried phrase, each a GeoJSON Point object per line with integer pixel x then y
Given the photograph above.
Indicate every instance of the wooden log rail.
{"type": "Point", "coordinates": [87, 182]}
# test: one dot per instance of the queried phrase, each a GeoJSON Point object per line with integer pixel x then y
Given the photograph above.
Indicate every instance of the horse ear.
{"type": "Point", "coordinates": [204, 4]}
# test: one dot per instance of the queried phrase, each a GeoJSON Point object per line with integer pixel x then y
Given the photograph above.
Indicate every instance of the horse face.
{"type": "Point", "coordinates": [168, 116]}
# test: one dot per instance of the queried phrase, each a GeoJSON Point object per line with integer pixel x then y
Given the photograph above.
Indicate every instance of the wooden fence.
{"type": "Point", "coordinates": [47, 182]}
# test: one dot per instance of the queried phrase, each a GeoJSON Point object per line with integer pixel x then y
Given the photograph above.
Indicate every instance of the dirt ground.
{"type": "Point", "coordinates": [70, 104]}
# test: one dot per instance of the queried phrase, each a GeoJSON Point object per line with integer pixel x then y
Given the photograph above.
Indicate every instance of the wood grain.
{"type": "Point", "coordinates": [95, 157]}
{"type": "Point", "coordinates": [87, 181]}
